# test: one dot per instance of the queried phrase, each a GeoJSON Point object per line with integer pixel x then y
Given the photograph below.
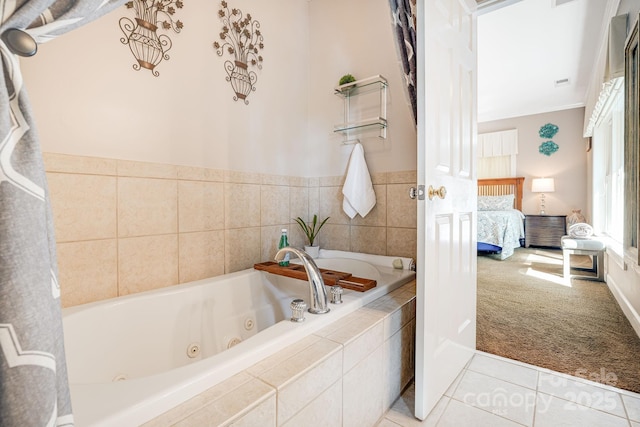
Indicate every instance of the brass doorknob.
{"type": "Point", "coordinates": [440, 192]}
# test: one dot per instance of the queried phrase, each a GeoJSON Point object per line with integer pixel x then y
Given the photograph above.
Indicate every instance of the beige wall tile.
{"type": "Point", "coordinates": [297, 238]}
{"type": "Point", "coordinates": [300, 363]}
{"type": "Point", "coordinates": [148, 200]}
{"type": "Point", "coordinates": [147, 170]}
{"type": "Point", "coordinates": [364, 409]}
{"type": "Point", "coordinates": [241, 249]}
{"type": "Point", "coordinates": [298, 181]}
{"type": "Point", "coordinates": [147, 206]}
{"type": "Point", "coordinates": [371, 240]}
{"type": "Point", "coordinates": [299, 203]}
{"type": "Point", "coordinates": [399, 363]}
{"type": "Point", "coordinates": [378, 214]}
{"type": "Point", "coordinates": [242, 177]}
{"type": "Point", "coordinates": [401, 210]}
{"type": "Point", "coordinates": [399, 318]}
{"type": "Point", "coordinates": [146, 263]}
{"type": "Point", "coordinates": [196, 403]}
{"type": "Point", "coordinates": [314, 201]}
{"type": "Point", "coordinates": [263, 414]}
{"type": "Point", "coordinates": [331, 181]}
{"type": "Point", "coordinates": [402, 242]}
{"type": "Point", "coordinates": [324, 410]}
{"type": "Point", "coordinates": [283, 355]}
{"type": "Point", "coordinates": [331, 205]}
{"type": "Point", "coordinates": [241, 205]}
{"type": "Point", "coordinates": [353, 325]}
{"type": "Point", "coordinates": [274, 205]}
{"type": "Point", "coordinates": [402, 177]}
{"type": "Point", "coordinates": [88, 271]}
{"type": "Point", "coordinates": [378, 178]}
{"type": "Point", "coordinates": [192, 173]}
{"type": "Point", "coordinates": [201, 255]}
{"type": "Point", "coordinates": [335, 237]}
{"type": "Point", "coordinates": [359, 348]}
{"type": "Point", "coordinates": [200, 206]}
{"type": "Point", "coordinates": [234, 405]}
{"type": "Point", "coordinates": [54, 162]}
{"type": "Point", "coordinates": [84, 206]}
{"type": "Point", "coordinates": [301, 379]}
{"type": "Point", "coordinates": [280, 180]}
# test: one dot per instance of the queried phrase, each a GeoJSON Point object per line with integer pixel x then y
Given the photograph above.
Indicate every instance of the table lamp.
{"type": "Point", "coordinates": [542, 185]}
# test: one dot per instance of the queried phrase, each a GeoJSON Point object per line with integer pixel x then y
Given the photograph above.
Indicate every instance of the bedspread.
{"type": "Point", "coordinates": [501, 228]}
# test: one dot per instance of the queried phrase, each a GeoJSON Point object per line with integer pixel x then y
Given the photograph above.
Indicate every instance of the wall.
{"type": "Point", "coordinates": [124, 227]}
{"type": "Point", "coordinates": [91, 102]}
{"type": "Point", "coordinates": [568, 165]}
{"type": "Point", "coordinates": [145, 146]}
{"type": "Point", "coordinates": [341, 35]}
{"type": "Point", "coordinates": [623, 273]}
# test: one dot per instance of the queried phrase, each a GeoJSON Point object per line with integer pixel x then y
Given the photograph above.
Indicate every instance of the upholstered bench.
{"type": "Point", "coordinates": [586, 246]}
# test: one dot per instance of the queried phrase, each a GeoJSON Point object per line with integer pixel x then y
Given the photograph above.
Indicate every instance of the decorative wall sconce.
{"type": "Point", "coordinates": [240, 37]}
{"type": "Point", "coordinates": [145, 44]}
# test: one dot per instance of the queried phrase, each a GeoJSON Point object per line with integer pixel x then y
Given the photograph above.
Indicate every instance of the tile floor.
{"type": "Point", "coordinates": [495, 392]}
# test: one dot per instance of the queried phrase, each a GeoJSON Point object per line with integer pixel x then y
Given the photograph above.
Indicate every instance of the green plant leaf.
{"type": "Point", "coordinates": [310, 230]}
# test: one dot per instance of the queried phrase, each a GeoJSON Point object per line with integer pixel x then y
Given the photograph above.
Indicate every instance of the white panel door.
{"type": "Point", "coordinates": [446, 274]}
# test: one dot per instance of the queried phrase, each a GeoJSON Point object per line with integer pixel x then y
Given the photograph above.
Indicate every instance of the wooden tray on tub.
{"type": "Point", "coordinates": [330, 277]}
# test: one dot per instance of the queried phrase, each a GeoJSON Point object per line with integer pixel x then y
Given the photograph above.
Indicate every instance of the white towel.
{"type": "Point", "coordinates": [359, 196]}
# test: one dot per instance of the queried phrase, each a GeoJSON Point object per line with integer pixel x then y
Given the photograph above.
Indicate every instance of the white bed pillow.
{"type": "Point", "coordinates": [496, 203]}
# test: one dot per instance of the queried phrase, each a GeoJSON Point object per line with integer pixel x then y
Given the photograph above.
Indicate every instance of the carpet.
{"type": "Point", "coordinates": [526, 313]}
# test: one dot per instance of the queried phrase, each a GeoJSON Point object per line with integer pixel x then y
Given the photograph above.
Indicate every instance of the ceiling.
{"type": "Point", "coordinates": [526, 46]}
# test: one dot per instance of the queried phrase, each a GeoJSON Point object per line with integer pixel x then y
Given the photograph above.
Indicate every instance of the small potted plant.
{"type": "Point", "coordinates": [311, 230]}
{"type": "Point", "coordinates": [346, 79]}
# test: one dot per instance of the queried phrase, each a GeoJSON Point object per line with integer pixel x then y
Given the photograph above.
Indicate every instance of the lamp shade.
{"type": "Point", "coordinates": [543, 185]}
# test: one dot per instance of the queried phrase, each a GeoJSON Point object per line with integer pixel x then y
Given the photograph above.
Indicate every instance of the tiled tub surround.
{"type": "Point", "coordinates": [125, 369]}
{"type": "Point", "coordinates": [346, 374]}
{"type": "Point", "coordinates": [135, 226]}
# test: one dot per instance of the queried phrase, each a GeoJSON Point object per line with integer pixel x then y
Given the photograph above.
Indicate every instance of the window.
{"type": "Point", "coordinates": [632, 136]}
{"type": "Point", "coordinates": [497, 154]}
{"type": "Point", "coordinates": [608, 168]}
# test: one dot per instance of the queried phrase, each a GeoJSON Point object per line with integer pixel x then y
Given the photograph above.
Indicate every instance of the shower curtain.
{"type": "Point", "coordinates": [403, 13]}
{"type": "Point", "coordinates": [34, 389]}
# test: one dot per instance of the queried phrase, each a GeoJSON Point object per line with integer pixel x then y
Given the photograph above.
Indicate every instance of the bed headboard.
{"type": "Point", "coordinates": [502, 186]}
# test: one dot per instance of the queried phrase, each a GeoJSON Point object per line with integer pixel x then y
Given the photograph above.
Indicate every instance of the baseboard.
{"type": "Point", "coordinates": [628, 310]}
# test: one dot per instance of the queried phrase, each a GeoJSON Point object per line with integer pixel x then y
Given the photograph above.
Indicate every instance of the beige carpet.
{"type": "Point", "coordinates": [525, 313]}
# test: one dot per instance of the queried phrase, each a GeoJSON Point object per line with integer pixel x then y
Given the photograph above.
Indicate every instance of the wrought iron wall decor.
{"type": "Point", "coordinates": [145, 44]}
{"type": "Point", "coordinates": [240, 37]}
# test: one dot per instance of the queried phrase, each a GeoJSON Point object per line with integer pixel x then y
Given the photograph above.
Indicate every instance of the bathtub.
{"type": "Point", "coordinates": [133, 358]}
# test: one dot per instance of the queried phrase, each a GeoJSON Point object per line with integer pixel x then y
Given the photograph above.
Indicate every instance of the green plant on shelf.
{"type": "Point", "coordinates": [347, 78]}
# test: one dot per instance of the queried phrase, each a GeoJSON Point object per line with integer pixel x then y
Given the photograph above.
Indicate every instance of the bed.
{"type": "Point", "coordinates": [500, 217]}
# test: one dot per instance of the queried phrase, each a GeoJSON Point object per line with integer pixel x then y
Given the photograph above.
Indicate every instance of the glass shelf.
{"type": "Point", "coordinates": [347, 91]}
{"type": "Point", "coordinates": [360, 86]}
{"type": "Point", "coordinates": [374, 122]}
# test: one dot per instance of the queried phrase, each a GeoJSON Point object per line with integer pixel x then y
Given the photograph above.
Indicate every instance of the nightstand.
{"type": "Point", "coordinates": [544, 230]}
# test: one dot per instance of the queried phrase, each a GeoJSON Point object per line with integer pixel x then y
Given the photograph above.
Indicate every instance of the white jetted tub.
{"type": "Point", "coordinates": [134, 357]}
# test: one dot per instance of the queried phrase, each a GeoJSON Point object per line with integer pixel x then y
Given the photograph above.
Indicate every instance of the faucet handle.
{"type": "Point", "coordinates": [297, 310]}
{"type": "Point", "coordinates": [336, 294]}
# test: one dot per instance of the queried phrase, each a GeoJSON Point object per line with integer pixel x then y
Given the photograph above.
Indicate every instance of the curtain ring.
{"type": "Point", "coordinates": [20, 42]}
